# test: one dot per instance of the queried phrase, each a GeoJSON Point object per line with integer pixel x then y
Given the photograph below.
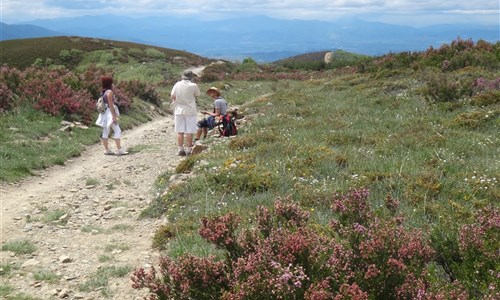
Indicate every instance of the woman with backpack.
{"type": "Point", "coordinates": [109, 118]}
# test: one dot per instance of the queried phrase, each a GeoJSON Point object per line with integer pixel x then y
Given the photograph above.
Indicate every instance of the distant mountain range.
{"type": "Point", "coordinates": [262, 38]}
{"type": "Point", "coordinates": [13, 32]}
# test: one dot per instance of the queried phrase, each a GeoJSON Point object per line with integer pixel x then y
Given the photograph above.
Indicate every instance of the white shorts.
{"type": "Point", "coordinates": [186, 123]}
{"type": "Point", "coordinates": [116, 130]}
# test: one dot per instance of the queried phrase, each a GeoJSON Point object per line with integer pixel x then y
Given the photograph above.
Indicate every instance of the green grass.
{"type": "Point", "coordinates": [19, 247]}
{"type": "Point", "coordinates": [91, 181]}
{"type": "Point", "coordinates": [121, 227]}
{"type": "Point", "coordinates": [6, 268]}
{"type": "Point", "coordinates": [30, 140]}
{"type": "Point", "coordinates": [105, 258]}
{"type": "Point", "coordinates": [100, 279]}
{"type": "Point", "coordinates": [313, 139]}
{"type": "Point", "coordinates": [53, 216]}
{"type": "Point", "coordinates": [92, 229]}
{"type": "Point", "coordinates": [116, 246]}
{"type": "Point", "coordinates": [5, 290]}
{"type": "Point", "coordinates": [46, 276]}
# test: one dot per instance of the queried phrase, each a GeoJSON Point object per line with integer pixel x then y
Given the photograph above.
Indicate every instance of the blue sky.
{"type": "Point", "coordinates": [414, 13]}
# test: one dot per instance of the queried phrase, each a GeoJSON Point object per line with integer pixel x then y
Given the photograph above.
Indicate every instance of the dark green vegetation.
{"type": "Point", "coordinates": [70, 51]}
{"type": "Point", "coordinates": [387, 166]}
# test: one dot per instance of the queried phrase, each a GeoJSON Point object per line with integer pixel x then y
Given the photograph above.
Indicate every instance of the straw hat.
{"type": "Point", "coordinates": [214, 89]}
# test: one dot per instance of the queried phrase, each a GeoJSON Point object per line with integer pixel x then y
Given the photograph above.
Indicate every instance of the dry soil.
{"type": "Point", "coordinates": [97, 199]}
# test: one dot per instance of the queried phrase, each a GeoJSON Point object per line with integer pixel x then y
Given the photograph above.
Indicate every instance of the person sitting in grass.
{"type": "Point", "coordinates": [220, 109]}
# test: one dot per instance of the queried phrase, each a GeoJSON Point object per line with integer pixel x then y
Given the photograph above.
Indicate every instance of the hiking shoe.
{"type": "Point", "coordinates": [109, 152]}
{"type": "Point", "coordinates": [181, 153]}
{"type": "Point", "coordinates": [121, 152]}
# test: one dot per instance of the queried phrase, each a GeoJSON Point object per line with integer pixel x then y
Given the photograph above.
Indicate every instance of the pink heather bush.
{"type": "Point", "coordinates": [9, 81]}
{"type": "Point", "coordinates": [480, 253]}
{"type": "Point", "coordinates": [56, 91]}
{"type": "Point", "coordinates": [481, 85]}
{"type": "Point", "coordinates": [362, 257]}
{"type": "Point", "coordinates": [7, 101]}
{"type": "Point", "coordinates": [352, 207]}
{"type": "Point", "coordinates": [290, 214]}
{"type": "Point", "coordinates": [189, 278]}
{"type": "Point", "coordinates": [140, 89]}
{"type": "Point", "coordinates": [221, 232]}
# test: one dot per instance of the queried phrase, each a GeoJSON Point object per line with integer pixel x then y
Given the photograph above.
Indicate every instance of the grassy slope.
{"type": "Point", "coordinates": [315, 138]}
{"type": "Point", "coordinates": [22, 53]}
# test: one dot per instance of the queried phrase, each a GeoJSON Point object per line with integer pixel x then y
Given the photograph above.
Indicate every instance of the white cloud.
{"type": "Point", "coordinates": [395, 11]}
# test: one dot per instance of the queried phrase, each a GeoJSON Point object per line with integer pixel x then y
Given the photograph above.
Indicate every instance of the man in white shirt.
{"type": "Point", "coordinates": [183, 96]}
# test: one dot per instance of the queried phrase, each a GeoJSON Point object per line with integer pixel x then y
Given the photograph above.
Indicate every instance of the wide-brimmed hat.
{"type": "Point", "coordinates": [214, 89]}
{"type": "Point", "coordinates": [188, 75]}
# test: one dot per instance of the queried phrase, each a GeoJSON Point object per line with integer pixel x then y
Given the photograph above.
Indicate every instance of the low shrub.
{"type": "Point", "coordinates": [60, 92]}
{"type": "Point", "coordinates": [280, 256]}
{"type": "Point", "coordinates": [142, 90]}
{"type": "Point", "coordinates": [162, 235]}
{"type": "Point", "coordinates": [445, 88]}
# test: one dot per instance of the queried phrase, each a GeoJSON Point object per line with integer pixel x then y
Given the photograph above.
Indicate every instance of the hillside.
{"type": "Point", "coordinates": [373, 181]}
{"type": "Point", "coordinates": [22, 53]}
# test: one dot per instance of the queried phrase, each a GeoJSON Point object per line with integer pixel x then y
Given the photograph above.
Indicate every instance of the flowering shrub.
{"type": "Point", "coordinates": [7, 101]}
{"type": "Point", "coordinates": [444, 88]}
{"type": "Point", "coordinates": [58, 91]}
{"type": "Point", "coordinates": [10, 79]}
{"type": "Point", "coordinates": [188, 278]}
{"type": "Point", "coordinates": [122, 99]}
{"type": "Point", "coordinates": [281, 257]}
{"type": "Point", "coordinates": [478, 266]}
{"type": "Point", "coordinates": [144, 91]}
{"type": "Point", "coordinates": [221, 232]}
{"type": "Point", "coordinates": [481, 85]}
{"type": "Point", "coordinates": [48, 91]}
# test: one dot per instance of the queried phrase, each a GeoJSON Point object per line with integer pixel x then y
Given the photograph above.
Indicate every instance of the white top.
{"type": "Point", "coordinates": [184, 94]}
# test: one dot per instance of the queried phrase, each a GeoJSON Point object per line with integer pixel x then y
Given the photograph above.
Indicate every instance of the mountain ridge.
{"type": "Point", "coordinates": [266, 39]}
{"type": "Point", "coordinates": [10, 32]}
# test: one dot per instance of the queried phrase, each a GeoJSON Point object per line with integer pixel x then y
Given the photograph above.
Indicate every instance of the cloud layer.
{"type": "Point", "coordinates": [407, 12]}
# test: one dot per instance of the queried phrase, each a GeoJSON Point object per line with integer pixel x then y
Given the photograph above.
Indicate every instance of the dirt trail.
{"type": "Point", "coordinates": [101, 197]}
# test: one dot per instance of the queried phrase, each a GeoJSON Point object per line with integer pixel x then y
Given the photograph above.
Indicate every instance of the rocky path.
{"type": "Point", "coordinates": [83, 220]}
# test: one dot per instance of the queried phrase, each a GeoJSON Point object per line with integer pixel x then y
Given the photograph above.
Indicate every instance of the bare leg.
{"type": "Point", "coordinates": [180, 139]}
{"type": "Point", "coordinates": [105, 144]}
{"type": "Point", "coordinates": [198, 133]}
{"type": "Point", "coordinates": [118, 144]}
{"type": "Point", "coordinates": [205, 132]}
{"type": "Point", "coordinates": [189, 139]}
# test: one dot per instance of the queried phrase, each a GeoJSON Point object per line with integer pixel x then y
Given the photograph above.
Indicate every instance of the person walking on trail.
{"type": "Point", "coordinates": [219, 109]}
{"type": "Point", "coordinates": [109, 118]}
{"type": "Point", "coordinates": [183, 97]}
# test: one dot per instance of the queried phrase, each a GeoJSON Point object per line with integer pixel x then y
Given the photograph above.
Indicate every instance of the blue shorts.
{"type": "Point", "coordinates": [207, 122]}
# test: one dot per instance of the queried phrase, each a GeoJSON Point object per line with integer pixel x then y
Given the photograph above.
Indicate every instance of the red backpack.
{"type": "Point", "coordinates": [227, 127]}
